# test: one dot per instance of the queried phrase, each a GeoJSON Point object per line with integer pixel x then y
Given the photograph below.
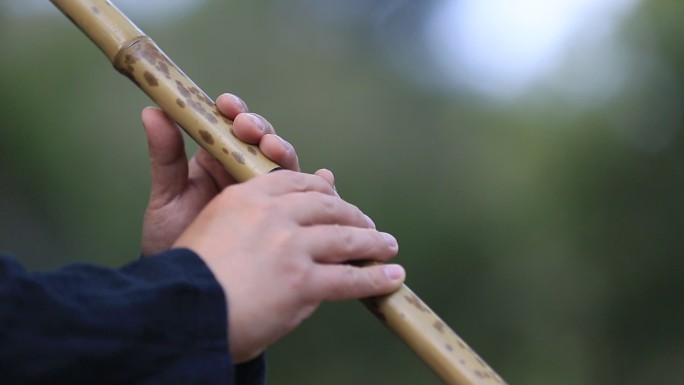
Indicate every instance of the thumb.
{"type": "Point", "coordinates": [168, 162]}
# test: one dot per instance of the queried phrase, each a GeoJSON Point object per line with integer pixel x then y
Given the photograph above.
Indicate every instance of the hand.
{"type": "Point", "coordinates": [180, 189]}
{"type": "Point", "coordinates": [279, 245]}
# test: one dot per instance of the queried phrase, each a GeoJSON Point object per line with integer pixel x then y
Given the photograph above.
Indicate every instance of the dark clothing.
{"type": "Point", "coordinates": [158, 320]}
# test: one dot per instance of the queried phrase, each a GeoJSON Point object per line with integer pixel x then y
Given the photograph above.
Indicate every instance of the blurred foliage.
{"type": "Point", "coordinates": [547, 233]}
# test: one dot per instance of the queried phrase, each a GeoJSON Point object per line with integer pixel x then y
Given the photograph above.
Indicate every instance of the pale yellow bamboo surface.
{"type": "Point", "coordinates": [138, 57]}
{"type": "Point", "coordinates": [435, 343]}
{"type": "Point", "coordinates": [135, 55]}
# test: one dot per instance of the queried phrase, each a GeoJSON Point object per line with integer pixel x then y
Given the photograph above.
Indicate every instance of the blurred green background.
{"type": "Point", "coordinates": [528, 156]}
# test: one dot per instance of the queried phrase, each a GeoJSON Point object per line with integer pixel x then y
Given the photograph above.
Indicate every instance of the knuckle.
{"type": "Point", "coordinates": [355, 214]}
{"type": "Point", "coordinates": [283, 238]}
{"type": "Point", "coordinates": [299, 181]}
{"type": "Point", "coordinates": [234, 193]}
{"type": "Point", "coordinates": [300, 277]}
{"type": "Point", "coordinates": [294, 265]}
{"type": "Point", "coordinates": [359, 283]}
{"type": "Point", "coordinates": [344, 286]}
{"type": "Point", "coordinates": [372, 282]}
{"type": "Point", "coordinates": [348, 241]}
{"type": "Point", "coordinates": [328, 205]}
{"type": "Point", "coordinates": [344, 241]}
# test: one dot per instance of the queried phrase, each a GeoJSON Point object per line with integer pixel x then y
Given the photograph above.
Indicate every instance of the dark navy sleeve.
{"type": "Point", "coordinates": [158, 320]}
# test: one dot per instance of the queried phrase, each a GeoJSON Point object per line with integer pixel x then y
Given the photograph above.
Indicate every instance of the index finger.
{"type": "Point", "coordinates": [282, 182]}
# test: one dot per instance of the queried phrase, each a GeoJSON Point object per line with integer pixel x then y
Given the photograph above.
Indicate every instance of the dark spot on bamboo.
{"type": "Point", "coordinates": [163, 67]}
{"type": "Point", "coordinates": [206, 137]}
{"type": "Point", "coordinates": [211, 118]}
{"type": "Point", "coordinates": [413, 300]}
{"type": "Point", "coordinates": [95, 10]}
{"type": "Point", "coordinates": [252, 150]}
{"type": "Point", "coordinates": [484, 374]}
{"type": "Point", "coordinates": [199, 107]}
{"type": "Point", "coordinates": [123, 62]}
{"type": "Point", "coordinates": [180, 103]}
{"type": "Point", "coordinates": [201, 96]}
{"type": "Point", "coordinates": [225, 150]}
{"type": "Point", "coordinates": [150, 53]}
{"type": "Point", "coordinates": [194, 104]}
{"type": "Point", "coordinates": [238, 157]}
{"type": "Point", "coordinates": [463, 362]}
{"type": "Point", "coordinates": [374, 307]}
{"type": "Point", "coordinates": [449, 348]}
{"type": "Point", "coordinates": [183, 90]}
{"type": "Point", "coordinates": [129, 61]}
{"type": "Point", "coordinates": [150, 79]}
{"type": "Point", "coordinates": [439, 325]}
{"type": "Point", "coordinates": [129, 74]}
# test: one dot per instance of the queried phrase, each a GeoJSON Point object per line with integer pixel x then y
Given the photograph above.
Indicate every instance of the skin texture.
{"type": "Point", "coordinates": [279, 244]}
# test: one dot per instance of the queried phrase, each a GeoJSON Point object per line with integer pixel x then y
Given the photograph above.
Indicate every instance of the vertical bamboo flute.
{"type": "Point", "coordinates": [135, 55]}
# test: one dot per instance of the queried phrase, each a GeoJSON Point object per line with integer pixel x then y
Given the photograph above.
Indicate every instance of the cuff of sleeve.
{"type": "Point", "coordinates": [193, 290]}
{"type": "Point", "coordinates": [204, 305]}
{"type": "Point", "coordinates": [196, 321]}
{"type": "Point", "coordinates": [252, 372]}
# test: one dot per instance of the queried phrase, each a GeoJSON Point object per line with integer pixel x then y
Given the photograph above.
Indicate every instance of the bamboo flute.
{"type": "Point", "coordinates": [135, 55]}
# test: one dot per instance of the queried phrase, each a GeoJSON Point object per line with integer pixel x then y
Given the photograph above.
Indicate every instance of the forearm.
{"type": "Point", "coordinates": [159, 318]}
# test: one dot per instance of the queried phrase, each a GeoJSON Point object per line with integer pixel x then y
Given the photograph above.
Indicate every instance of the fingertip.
{"type": "Point", "coordinates": [369, 221]}
{"type": "Point", "coordinates": [280, 151]}
{"type": "Point", "coordinates": [247, 128]}
{"type": "Point", "coordinates": [234, 100]}
{"type": "Point", "coordinates": [395, 273]}
{"type": "Point", "coordinates": [231, 105]}
{"type": "Point", "coordinates": [257, 122]}
{"type": "Point", "coordinates": [146, 110]}
{"type": "Point", "coordinates": [327, 175]}
{"type": "Point", "coordinates": [391, 241]}
{"type": "Point", "coordinates": [148, 114]}
{"type": "Point", "coordinates": [286, 146]}
{"type": "Point", "coordinates": [161, 131]}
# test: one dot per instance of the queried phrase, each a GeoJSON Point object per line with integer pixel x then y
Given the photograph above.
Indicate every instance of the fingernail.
{"type": "Point", "coordinates": [259, 124]}
{"type": "Point", "coordinates": [286, 144]}
{"type": "Point", "coordinates": [391, 241]}
{"type": "Point", "coordinates": [395, 272]}
{"type": "Point", "coordinates": [371, 224]}
{"type": "Point", "coordinates": [239, 101]}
